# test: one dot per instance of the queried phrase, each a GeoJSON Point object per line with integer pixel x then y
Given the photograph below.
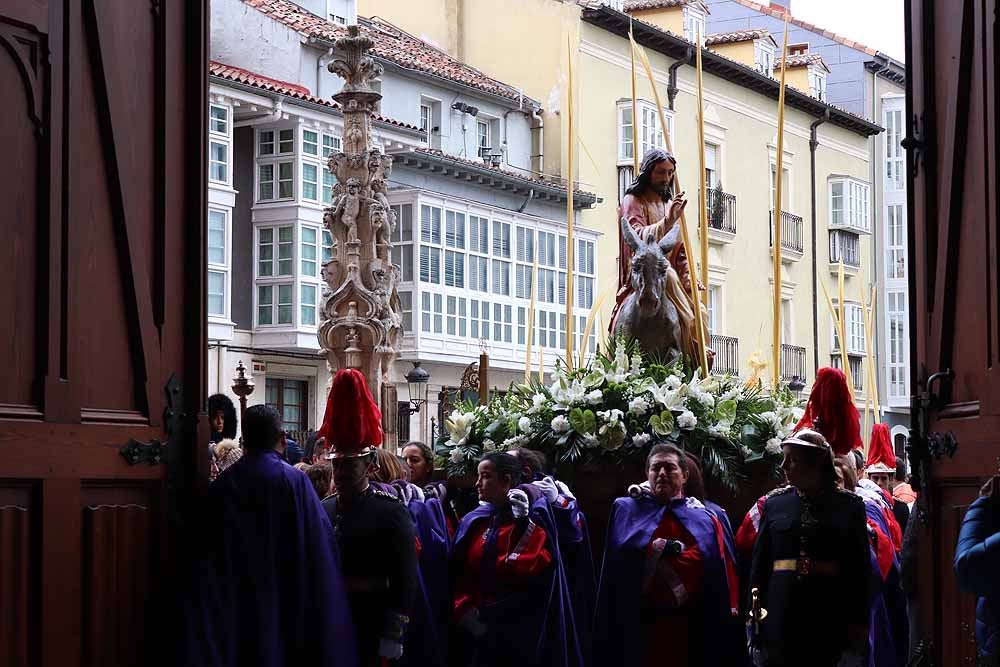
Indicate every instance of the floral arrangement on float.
{"type": "Point", "coordinates": [618, 406]}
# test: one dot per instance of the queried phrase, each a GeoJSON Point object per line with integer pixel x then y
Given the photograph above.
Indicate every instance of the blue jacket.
{"type": "Point", "coordinates": [977, 568]}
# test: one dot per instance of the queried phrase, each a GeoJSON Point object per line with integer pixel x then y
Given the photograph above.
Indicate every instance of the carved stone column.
{"type": "Point", "coordinates": [361, 321]}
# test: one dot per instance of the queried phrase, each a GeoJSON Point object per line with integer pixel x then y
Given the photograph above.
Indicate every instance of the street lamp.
{"type": "Point", "coordinates": [797, 384]}
{"type": "Point", "coordinates": [416, 382]}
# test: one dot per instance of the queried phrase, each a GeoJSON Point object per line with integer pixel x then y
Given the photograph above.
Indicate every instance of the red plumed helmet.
{"type": "Point", "coordinates": [881, 457]}
{"type": "Point", "coordinates": [831, 411]}
{"type": "Point", "coordinates": [352, 424]}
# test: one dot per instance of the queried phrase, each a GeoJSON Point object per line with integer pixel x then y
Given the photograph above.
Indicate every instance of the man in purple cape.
{"type": "Point", "coordinates": [268, 589]}
{"type": "Point", "coordinates": [664, 575]}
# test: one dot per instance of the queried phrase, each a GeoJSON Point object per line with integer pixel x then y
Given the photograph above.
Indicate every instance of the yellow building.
{"type": "Point", "coordinates": [826, 167]}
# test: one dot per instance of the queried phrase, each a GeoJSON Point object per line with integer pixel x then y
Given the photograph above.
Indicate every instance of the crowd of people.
{"type": "Point", "coordinates": [364, 558]}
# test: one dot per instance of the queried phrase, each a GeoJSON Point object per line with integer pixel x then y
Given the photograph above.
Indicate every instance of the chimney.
{"type": "Point", "coordinates": [782, 5]}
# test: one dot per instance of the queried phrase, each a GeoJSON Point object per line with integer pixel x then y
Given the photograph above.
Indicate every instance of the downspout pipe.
{"type": "Point", "coordinates": [538, 123]}
{"type": "Point", "coordinates": [672, 88]}
{"type": "Point", "coordinates": [813, 145]}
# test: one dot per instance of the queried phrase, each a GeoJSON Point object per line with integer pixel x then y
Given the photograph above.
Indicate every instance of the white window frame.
{"type": "Point", "coordinates": [281, 153]}
{"type": "Point", "coordinates": [897, 346]}
{"type": "Point", "coordinates": [221, 137]}
{"type": "Point", "coordinates": [894, 172]}
{"type": "Point", "coordinates": [487, 148]}
{"type": "Point", "coordinates": [649, 134]}
{"type": "Point", "coordinates": [222, 267]}
{"type": "Point", "coordinates": [764, 55]}
{"type": "Point", "coordinates": [856, 203]}
{"type": "Point", "coordinates": [854, 328]}
{"type": "Point", "coordinates": [694, 23]}
{"type": "Point", "coordinates": [817, 83]}
{"type": "Point", "coordinates": [403, 242]}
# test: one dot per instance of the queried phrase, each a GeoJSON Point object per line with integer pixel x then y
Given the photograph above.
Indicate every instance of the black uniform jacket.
{"type": "Point", "coordinates": [812, 567]}
{"type": "Point", "coordinates": [379, 561]}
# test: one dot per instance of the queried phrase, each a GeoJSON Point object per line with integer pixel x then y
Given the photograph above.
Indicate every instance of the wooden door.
{"type": "Point", "coordinates": [954, 237]}
{"type": "Point", "coordinates": [102, 301]}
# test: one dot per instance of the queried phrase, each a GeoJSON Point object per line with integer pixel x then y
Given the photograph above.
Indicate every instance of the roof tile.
{"type": "Point", "coordinates": [802, 60]}
{"type": "Point", "coordinates": [808, 26]}
{"type": "Point", "coordinates": [391, 44]}
{"type": "Point", "coordinates": [297, 91]}
{"type": "Point", "coordinates": [736, 36]}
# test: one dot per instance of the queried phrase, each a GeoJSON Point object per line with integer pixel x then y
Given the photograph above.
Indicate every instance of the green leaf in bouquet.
{"type": "Point", "coordinates": [612, 438]}
{"type": "Point", "coordinates": [583, 421]}
{"type": "Point", "coordinates": [725, 411]}
{"type": "Point", "coordinates": [663, 423]}
{"type": "Point", "coordinates": [593, 379]}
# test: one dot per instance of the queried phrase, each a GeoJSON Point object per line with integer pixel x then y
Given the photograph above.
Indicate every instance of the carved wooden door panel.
{"type": "Point", "coordinates": [102, 303]}
{"type": "Point", "coordinates": [954, 239]}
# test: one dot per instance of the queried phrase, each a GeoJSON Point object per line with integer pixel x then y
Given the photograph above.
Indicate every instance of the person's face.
{"type": "Point", "coordinates": [840, 476]}
{"type": "Point", "coordinates": [218, 421]}
{"type": "Point", "coordinates": [662, 176]}
{"type": "Point", "coordinates": [800, 468]}
{"type": "Point", "coordinates": [666, 478]}
{"type": "Point", "coordinates": [419, 469]}
{"type": "Point", "coordinates": [351, 474]}
{"type": "Point", "coordinates": [491, 487]}
{"type": "Point", "coordinates": [883, 479]}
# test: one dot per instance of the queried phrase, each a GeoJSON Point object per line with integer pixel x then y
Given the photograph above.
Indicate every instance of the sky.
{"type": "Point", "coordinates": [874, 23]}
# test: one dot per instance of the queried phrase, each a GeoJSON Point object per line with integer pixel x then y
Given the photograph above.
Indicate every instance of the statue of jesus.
{"type": "Point", "coordinates": [652, 209]}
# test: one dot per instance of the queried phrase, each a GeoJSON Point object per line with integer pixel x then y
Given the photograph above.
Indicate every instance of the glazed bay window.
{"type": "Point", "coordinates": [584, 276]}
{"type": "Point", "coordinates": [501, 255]}
{"type": "Point", "coordinates": [817, 84]}
{"type": "Point", "coordinates": [855, 329]}
{"type": "Point", "coordinates": [764, 57]}
{"type": "Point", "coordinates": [479, 253]}
{"type": "Point", "coordinates": [309, 252]}
{"type": "Point", "coordinates": [454, 255]}
{"type": "Point", "coordinates": [525, 261]}
{"type": "Point", "coordinates": [650, 134]}
{"type": "Point", "coordinates": [850, 205]}
{"type": "Point", "coordinates": [402, 241]}
{"type": "Point", "coordinates": [218, 264]}
{"type": "Point", "coordinates": [694, 23]}
{"type": "Point", "coordinates": [895, 157]}
{"type": "Point", "coordinates": [219, 143]}
{"type": "Point", "coordinates": [275, 250]}
{"type": "Point", "coordinates": [274, 304]}
{"type": "Point", "coordinates": [430, 244]}
{"type": "Point", "coordinates": [897, 344]}
{"type": "Point", "coordinates": [307, 304]}
{"type": "Point", "coordinates": [276, 165]}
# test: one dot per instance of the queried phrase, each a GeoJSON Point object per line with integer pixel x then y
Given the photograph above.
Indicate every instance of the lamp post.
{"type": "Point", "coordinates": [797, 384]}
{"type": "Point", "coordinates": [416, 383]}
{"type": "Point", "coordinates": [242, 386]}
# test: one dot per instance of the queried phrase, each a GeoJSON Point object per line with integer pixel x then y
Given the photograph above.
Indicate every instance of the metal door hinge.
{"type": "Point", "coordinates": [154, 451]}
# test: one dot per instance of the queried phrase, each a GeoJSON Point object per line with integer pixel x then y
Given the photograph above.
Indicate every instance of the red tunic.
{"type": "Point", "coordinates": [520, 557]}
{"type": "Point", "coordinates": [672, 581]}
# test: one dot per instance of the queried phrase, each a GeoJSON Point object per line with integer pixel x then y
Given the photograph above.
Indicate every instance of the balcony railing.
{"type": "Point", "coordinates": [857, 365]}
{"type": "Point", "coordinates": [791, 232]}
{"type": "Point", "coordinates": [793, 362]}
{"type": "Point", "coordinates": [845, 246]}
{"type": "Point", "coordinates": [722, 211]}
{"type": "Point", "coordinates": [727, 355]}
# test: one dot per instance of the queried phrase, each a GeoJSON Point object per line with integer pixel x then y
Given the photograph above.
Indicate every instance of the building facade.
{"type": "Point", "coordinates": [871, 85]}
{"type": "Point", "coordinates": [826, 210]}
{"type": "Point", "coordinates": [472, 213]}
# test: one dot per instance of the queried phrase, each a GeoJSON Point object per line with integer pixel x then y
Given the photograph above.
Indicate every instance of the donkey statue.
{"type": "Point", "coordinates": [647, 315]}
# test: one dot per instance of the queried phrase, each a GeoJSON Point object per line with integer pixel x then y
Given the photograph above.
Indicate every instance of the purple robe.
{"type": "Point", "coordinates": [267, 586]}
{"type": "Point", "coordinates": [529, 629]}
{"type": "Point", "coordinates": [426, 639]}
{"type": "Point", "coordinates": [889, 629]}
{"type": "Point", "coordinates": [619, 637]}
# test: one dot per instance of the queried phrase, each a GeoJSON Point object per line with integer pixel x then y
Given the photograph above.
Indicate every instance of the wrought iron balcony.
{"type": "Point", "coordinates": [845, 246]}
{"type": "Point", "coordinates": [793, 362]}
{"type": "Point", "coordinates": [727, 355]}
{"type": "Point", "coordinates": [791, 232]}
{"type": "Point", "coordinates": [721, 211]}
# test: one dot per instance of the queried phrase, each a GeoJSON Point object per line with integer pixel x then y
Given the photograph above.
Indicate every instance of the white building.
{"type": "Point", "coordinates": [472, 210]}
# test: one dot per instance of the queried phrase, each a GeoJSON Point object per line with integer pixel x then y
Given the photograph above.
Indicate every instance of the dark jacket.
{"type": "Point", "coordinates": [379, 561]}
{"type": "Point", "coordinates": [977, 567]}
{"type": "Point", "coordinates": [811, 565]}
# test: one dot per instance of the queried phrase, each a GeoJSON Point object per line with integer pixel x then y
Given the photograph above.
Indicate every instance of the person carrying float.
{"type": "Point", "coordinates": [512, 605]}
{"type": "Point", "coordinates": [667, 590]}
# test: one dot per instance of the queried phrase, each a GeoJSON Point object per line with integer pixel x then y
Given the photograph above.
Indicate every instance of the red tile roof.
{"type": "Point", "coordinates": [802, 60]}
{"type": "Point", "coordinates": [393, 45]}
{"type": "Point", "coordinates": [779, 14]}
{"type": "Point", "coordinates": [737, 36]}
{"type": "Point", "coordinates": [639, 5]}
{"type": "Point", "coordinates": [294, 90]}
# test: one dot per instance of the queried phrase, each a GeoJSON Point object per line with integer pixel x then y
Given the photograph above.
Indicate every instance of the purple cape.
{"type": "Point", "coordinates": [578, 559]}
{"type": "Point", "coordinates": [426, 640]}
{"type": "Point", "coordinates": [889, 629]}
{"type": "Point", "coordinates": [267, 586]}
{"type": "Point", "coordinates": [541, 619]}
{"type": "Point", "coordinates": [618, 629]}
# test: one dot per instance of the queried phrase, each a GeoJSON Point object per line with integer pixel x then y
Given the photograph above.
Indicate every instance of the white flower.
{"type": "Point", "coordinates": [746, 451]}
{"type": "Point", "coordinates": [672, 382]}
{"type": "Point", "coordinates": [733, 393]}
{"type": "Point", "coordinates": [797, 414]}
{"type": "Point", "coordinates": [595, 397]}
{"type": "Point", "coordinates": [698, 391]}
{"type": "Point", "coordinates": [589, 440]}
{"type": "Point", "coordinates": [773, 446]}
{"type": "Point", "coordinates": [687, 420]}
{"type": "Point", "coordinates": [560, 424]}
{"type": "Point", "coordinates": [524, 423]}
{"type": "Point", "coordinates": [457, 456]}
{"type": "Point", "coordinates": [721, 429]}
{"type": "Point", "coordinates": [636, 365]}
{"type": "Point", "coordinates": [667, 397]}
{"type": "Point", "coordinates": [514, 443]}
{"type": "Point", "coordinates": [638, 406]}
{"type": "Point", "coordinates": [640, 439]}
{"type": "Point", "coordinates": [612, 417]}
{"type": "Point", "coordinates": [459, 426]}
{"type": "Point", "coordinates": [489, 445]}
{"type": "Point", "coordinates": [567, 396]}
{"type": "Point", "coordinates": [537, 403]}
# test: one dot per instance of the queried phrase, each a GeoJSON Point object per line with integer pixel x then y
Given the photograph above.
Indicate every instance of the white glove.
{"type": "Point", "coordinates": [390, 649]}
{"type": "Point", "coordinates": [564, 490]}
{"type": "Point", "coordinates": [408, 492]}
{"type": "Point", "coordinates": [472, 624]}
{"type": "Point", "coordinates": [548, 487]}
{"type": "Point", "coordinates": [437, 490]}
{"type": "Point", "coordinates": [518, 503]}
{"type": "Point", "coordinates": [636, 491]}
